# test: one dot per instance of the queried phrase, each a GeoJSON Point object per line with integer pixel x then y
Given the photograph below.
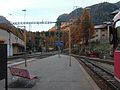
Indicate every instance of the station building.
{"type": "Point", "coordinates": [11, 36]}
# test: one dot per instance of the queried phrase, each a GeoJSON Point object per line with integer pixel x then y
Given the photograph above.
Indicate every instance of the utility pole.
{"type": "Point", "coordinates": [69, 47]}
{"type": "Point", "coordinates": [58, 30]}
{"type": "Point", "coordinates": [25, 38]}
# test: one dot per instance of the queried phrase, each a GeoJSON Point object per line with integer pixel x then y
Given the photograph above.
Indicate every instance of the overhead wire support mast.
{"type": "Point", "coordinates": [36, 22]}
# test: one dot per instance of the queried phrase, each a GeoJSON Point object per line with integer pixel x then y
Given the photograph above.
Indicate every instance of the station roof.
{"type": "Point", "coordinates": [6, 25]}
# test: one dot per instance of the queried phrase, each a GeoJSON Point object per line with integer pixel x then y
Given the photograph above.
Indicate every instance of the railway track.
{"type": "Point", "coordinates": [111, 62]}
{"type": "Point", "coordinates": [102, 76]}
{"type": "Point", "coordinates": [21, 58]}
{"type": "Point", "coordinates": [29, 55]}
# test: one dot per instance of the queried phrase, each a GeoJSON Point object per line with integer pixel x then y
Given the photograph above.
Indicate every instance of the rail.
{"type": "Point", "coordinates": [102, 77]}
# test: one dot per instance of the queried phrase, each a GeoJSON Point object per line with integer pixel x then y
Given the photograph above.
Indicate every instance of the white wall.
{"type": "Point", "coordinates": [9, 39]}
{"type": "Point", "coordinates": [4, 35]}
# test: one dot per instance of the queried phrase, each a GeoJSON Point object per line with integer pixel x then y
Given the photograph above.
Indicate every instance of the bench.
{"type": "Point", "coordinates": [22, 73]}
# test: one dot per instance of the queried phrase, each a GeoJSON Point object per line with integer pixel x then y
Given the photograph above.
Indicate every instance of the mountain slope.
{"type": "Point", "coordinates": [99, 12]}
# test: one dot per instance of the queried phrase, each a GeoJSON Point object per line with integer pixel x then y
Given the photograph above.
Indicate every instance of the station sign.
{"type": "Point", "coordinates": [59, 43]}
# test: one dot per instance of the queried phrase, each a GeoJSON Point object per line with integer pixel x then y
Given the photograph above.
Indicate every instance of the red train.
{"type": "Point", "coordinates": [116, 45]}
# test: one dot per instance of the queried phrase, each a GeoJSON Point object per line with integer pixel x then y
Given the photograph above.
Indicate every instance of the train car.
{"type": "Point", "coordinates": [116, 45]}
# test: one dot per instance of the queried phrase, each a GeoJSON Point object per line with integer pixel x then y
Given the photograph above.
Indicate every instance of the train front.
{"type": "Point", "coordinates": [116, 23]}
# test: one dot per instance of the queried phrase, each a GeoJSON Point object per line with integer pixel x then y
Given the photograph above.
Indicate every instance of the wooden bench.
{"type": "Point", "coordinates": [22, 73]}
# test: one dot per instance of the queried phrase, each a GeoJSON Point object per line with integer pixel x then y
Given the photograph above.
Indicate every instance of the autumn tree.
{"type": "Point", "coordinates": [86, 27]}
{"type": "Point", "coordinates": [75, 31]}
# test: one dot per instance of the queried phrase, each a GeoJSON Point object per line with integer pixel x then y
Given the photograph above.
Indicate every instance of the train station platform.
{"type": "Point", "coordinates": [55, 74]}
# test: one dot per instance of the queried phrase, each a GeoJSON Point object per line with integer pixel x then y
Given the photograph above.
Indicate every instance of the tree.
{"type": "Point", "coordinates": [47, 34]}
{"type": "Point", "coordinates": [86, 27]}
{"type": "Point", "coordinates": [52, 33]}
{"type": "Point", "coordinates": [75, 32]}
{"type": "Point", "coordinates": [37, 40]}
{"type": "Point", "coordinates": [59, 32]}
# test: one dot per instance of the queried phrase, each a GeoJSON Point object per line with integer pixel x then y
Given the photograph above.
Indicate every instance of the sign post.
{"type": "Point", "coordinates": [3, 64]}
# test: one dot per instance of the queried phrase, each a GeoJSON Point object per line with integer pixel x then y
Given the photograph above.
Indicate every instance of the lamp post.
{"type": "Point", "coordinates": [25, 37]}
{"type": "Point", "coordinates": [24, 10]}
{"type": "Point", "coordinates": [58, 24]}
{"type": "Point", "coordinates": [69, 47]}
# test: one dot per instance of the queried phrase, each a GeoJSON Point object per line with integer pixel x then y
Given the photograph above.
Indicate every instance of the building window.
{"type": "Point", "coordinates": [103, 34]}
{"type": "Point", "coordinates": [103, 30]}
{"type": "Point", "coordinates": [96, 30]}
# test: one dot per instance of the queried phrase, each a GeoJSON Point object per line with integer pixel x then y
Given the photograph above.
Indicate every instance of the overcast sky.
{"type": "Point", "coordinates": [38, 10]}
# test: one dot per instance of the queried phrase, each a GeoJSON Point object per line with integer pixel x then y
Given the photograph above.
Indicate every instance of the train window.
{"type": "Point", "coordinates": [117, 26]}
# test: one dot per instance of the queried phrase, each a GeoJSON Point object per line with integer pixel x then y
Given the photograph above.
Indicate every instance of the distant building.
{"type": "Point", "coordinates": [101, 33]}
